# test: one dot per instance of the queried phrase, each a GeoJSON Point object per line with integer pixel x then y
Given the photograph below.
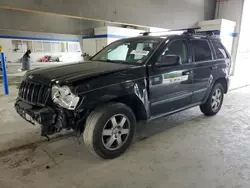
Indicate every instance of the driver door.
{"type": "Point", "coordinates": [170, 86]}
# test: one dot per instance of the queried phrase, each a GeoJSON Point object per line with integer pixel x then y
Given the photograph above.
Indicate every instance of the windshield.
{"type": "Point", "coordinates": [134, 51]}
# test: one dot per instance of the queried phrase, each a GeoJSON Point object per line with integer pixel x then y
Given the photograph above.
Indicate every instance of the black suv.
{"type": "Point", "coordinates": [130, 80]}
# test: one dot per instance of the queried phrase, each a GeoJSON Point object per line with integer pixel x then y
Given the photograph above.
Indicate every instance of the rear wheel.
{"type": "Point", "coordinates": [214, 102]}
{"type": "Point", "coordinates": [110, 130]}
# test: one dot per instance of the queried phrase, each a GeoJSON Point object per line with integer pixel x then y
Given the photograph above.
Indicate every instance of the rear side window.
{"type": "Point", "coordinates": [201, 49]}
{"type": "Point", "coordinates": [219, 50]}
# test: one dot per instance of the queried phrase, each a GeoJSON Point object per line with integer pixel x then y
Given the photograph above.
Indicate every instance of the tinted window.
{"type": "Point", "coordinates": [219, 50]}
{"type": "Point", "coordinates": [201, 50]}
{"type": "Point", "coordinates": [178, 47]}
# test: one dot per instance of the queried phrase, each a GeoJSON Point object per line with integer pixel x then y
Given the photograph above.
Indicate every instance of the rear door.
{"type": "Point", "coordinates": [222, 58]}
{"type": "Point", "coordinates": [204, 68]}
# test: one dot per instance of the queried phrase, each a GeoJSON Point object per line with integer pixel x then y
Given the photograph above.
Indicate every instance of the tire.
{"type": "Point", "coordinates": [209, 108]}
{"type": "Point", "coordinates": [106, 133]}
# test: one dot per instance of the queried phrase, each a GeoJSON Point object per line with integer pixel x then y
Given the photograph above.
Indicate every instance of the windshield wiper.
{"type": "Point", "coordinates": [115, 61]}
{"type": "Point", "coordinates": [111, 61]}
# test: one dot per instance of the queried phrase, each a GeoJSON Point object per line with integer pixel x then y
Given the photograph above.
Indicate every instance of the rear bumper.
{"type": "Point", "coordinates": [47, 117]}
{"type": "Point", "coordinates": [229, 80]}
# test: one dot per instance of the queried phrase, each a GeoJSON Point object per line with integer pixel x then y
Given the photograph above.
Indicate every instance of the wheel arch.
{"type": "Point", "coordinates": [224, 84]}
{"type": "Point", "coordinates": [140, 109]}
{"type": "Point", "coordinates": [222, 81]}
{"type": "Point", "coordinates": [132, 101]}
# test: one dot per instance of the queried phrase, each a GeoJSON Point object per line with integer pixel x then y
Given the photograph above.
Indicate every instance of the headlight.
{"type": "Point", "coordinates": [24, 76]}
{"type": "Point", "coordinates": [64, 97]}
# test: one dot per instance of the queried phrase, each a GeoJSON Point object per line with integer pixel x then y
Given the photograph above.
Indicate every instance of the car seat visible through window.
{"type": "Point", "coordinates": [177, 48]}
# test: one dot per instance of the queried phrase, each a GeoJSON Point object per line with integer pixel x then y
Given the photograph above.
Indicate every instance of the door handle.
{"type": "Point", "coordinates": [186, 72]}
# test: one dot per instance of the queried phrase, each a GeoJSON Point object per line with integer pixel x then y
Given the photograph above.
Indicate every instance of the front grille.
{"type": "Point", "coordinates": [34, 93]}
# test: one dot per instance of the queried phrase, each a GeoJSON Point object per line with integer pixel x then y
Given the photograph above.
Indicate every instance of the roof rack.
{"type": "Point", "coordinates": [188, 30]}
{"type": "Point", "coordinates": [208, 33]}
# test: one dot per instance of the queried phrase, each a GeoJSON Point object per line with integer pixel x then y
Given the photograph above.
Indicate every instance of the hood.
{"type": "Point", "coordinates": [74, 71]}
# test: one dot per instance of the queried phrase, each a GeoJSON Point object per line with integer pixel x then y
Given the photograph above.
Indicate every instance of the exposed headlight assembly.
{"type": "Point", "coordinates": [64, 97]}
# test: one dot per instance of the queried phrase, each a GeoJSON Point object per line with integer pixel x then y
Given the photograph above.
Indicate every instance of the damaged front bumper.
{"type": "Point", "coordinates": [47, 117]}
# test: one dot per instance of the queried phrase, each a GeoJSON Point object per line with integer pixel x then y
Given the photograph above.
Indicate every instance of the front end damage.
{"type": "Point", "coordinates": [36, 105]}
{"type": "Point", "coordinates": [52, 121]}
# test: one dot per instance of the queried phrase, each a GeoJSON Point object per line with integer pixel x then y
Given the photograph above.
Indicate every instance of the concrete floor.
{"type": "Point", "coordinates": [185, 150]}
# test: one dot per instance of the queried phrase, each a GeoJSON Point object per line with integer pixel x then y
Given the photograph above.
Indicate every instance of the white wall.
{"type": "Point", "coordinates": [226, 28]}
{"type": "Point", "coordinates": [231, 10]}
{"type": "Point", "coordinates": [244, 47]}
{"type": "Point", "coordinates": [6, 37]}
{"type": "Point", "coordinates": [92, 45]}
{"type": "Point", "coordinates": [106, 35]}
{"type": "Point", "coordinates": [243, 52]}
{"type": "Point", "coordinates": [127, 32]}
{"type": "Point", "coordinates": [110, 40]}
{"type": "Point", "coordinates": [36, 56]}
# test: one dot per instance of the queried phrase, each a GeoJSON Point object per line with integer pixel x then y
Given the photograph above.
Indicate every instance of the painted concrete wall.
{"type": "Point", "coordinates": [26, 21]}
{"type": "Point", "coordinates": [230, 10]}
{"type": "Point", "coordinates": [158, 13]}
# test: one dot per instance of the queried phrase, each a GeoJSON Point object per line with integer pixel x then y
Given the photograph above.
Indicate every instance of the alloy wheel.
{"type": "Point", "coordinates": [216, 99]}
{"type": "Point", "coordinates": [115, 132]}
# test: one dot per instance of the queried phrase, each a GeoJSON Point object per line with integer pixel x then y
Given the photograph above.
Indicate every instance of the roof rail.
{"type": "Point", "coordinates": [211, 33]}
{"type": "Point", "coordinates": [201, 34]}
{"type": "Point", "coordinates": [188, 30]}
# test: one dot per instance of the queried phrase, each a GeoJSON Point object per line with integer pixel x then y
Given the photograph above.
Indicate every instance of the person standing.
{"type": "Point", "coordinates": [26, 61]}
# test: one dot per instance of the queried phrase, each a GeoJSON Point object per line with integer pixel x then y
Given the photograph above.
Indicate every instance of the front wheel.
{"type": "Point", "coordinates": [214, 102]}
{"type": "Point", "coordinates": [110, 130]}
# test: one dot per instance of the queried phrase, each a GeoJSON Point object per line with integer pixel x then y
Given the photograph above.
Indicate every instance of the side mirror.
{"type": "Point", "coordinates": [168, 60]}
